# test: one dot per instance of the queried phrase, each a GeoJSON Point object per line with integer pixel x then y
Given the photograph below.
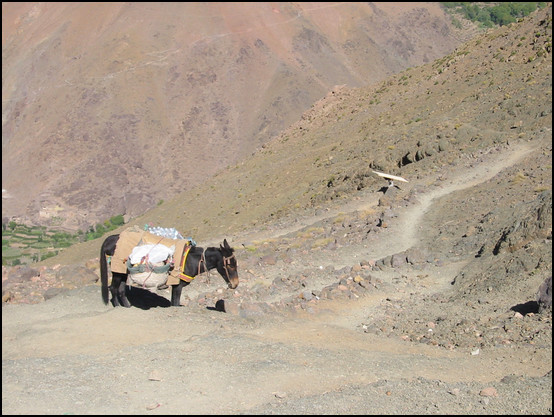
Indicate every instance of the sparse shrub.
{"type": "Point", "coordinates": [488, 16]}
{"type": "Point", "coordinates": [519, 178]}
{"type": "Point", "coordinates": [119, 221]}
{"type": "Point", "coordinates": [319, 243]}
{"type": "Point", "coordinates": [49, 255]}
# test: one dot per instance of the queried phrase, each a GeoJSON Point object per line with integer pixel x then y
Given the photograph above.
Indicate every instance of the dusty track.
{"type": "Point", "coordinates": [71, 354]}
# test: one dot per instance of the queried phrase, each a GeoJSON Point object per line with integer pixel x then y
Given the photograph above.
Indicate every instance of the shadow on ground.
{"type": "Point", "coordinates": [145, 299]}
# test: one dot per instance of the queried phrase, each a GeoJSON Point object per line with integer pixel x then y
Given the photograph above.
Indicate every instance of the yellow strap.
{"type": "Point", "coordinates": [182, 275]}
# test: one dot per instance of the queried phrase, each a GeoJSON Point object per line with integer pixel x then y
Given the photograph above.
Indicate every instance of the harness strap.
{"type": "Point", "coordinates": [182, 275]}
{"type": "Point", "coordinates": [226, 263]}
{"type": "Point", "coordinates": [188, 278]}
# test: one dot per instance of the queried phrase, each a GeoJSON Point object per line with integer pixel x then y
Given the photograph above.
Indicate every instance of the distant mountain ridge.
{"type": "Point", "coordinates": [111, 108]}
{"type": "Point", "coordinates": [489, 93]}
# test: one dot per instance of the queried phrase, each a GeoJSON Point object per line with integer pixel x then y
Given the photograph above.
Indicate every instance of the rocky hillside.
{"type": "Point", "coordinates": [492, 90]}
{"type": "Point", "coordinates": [110, 108]}
{"type": "Point", "coordinates": [431, 298]}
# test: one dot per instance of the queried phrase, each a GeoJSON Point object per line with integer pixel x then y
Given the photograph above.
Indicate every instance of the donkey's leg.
{"type": "Point", "coordinates": [114, 287]}
{"type": "Point", "coordinates": [176, 293]}
{"type": "Point", "coordinates": [117, 288]}
{"type": "Point", "coordinates": [121, 292]}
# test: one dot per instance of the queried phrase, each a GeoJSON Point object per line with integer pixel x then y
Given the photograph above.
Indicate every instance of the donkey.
{"type": "Point", "coordinates": [198, 261]}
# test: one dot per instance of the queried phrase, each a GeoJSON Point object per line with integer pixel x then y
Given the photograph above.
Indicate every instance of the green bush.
{"type": "Point", "coordinates": [49, 255]}
{"type": "Point", "coordinates": [117, 220]}
{"type": "Point", "coordinates": [40, 245]}
{"type": "Point", "coordinates": [15, 235]}
{"type": "Point", "coordinates": [501, 14]}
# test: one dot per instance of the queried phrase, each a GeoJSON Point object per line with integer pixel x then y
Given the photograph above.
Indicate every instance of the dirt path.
{"type": "Point", "coordinates": [73, 355]}
{"type": "Point", "coordinates": [405, 234]}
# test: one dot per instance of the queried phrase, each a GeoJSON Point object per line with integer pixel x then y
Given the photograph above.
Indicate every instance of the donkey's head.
{"type": "Point", "coordinates": [227, 266]}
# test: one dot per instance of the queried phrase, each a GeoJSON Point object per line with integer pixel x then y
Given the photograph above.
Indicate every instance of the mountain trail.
{"type": "Point", "coordinates": [73, 355]}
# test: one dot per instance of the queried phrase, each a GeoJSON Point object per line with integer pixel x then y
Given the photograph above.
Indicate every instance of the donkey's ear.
{"type": "Point", "coordinates": [226, 245]}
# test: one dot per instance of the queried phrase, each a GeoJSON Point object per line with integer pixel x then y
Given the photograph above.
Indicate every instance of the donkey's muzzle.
{"type": "Point", "coordinates": [233, 282]}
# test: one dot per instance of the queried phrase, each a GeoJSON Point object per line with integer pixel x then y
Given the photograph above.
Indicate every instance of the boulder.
{"type": "Point", "coordinates": [544, 295]}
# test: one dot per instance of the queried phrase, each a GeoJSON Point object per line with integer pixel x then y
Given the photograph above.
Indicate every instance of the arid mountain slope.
{"type": "Point", "coordinates": [435, 298]}
{"type": "Point", "coordinates": [493, 90]}
{"type": "Point", "coordinates": [108, 108]}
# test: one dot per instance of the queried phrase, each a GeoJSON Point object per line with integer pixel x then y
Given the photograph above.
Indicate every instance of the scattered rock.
{"type": "Point", "coordinates": [398, 260]}
{"type": "Point", "coordinates": [455, 392]}
{"type": "Point", "coordinates": [488, 392]}
{"type": "Point", "coordinates": [268, 260]}
{"type": "Point", "coordinates": [544, 295]}
{"type": "Point", "coordinates": [6, 296]}
{"type": "Point", "coordinates": [52, 292]}
{"type": "Point", "coordinates": [228, 306]}
{"type": "Point", "coordinates": [75, 276]}
{"type": "Point", "coordinates": [20, 274]}
{"type": "Point", "coordinates": [155, 375]}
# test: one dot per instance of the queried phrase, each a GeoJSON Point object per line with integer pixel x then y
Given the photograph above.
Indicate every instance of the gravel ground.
{"type": "Point", "coordinates": [418, 301]}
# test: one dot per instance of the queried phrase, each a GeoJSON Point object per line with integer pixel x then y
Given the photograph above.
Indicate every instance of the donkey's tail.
{"type": "Point", "coordinates": [108, 249]}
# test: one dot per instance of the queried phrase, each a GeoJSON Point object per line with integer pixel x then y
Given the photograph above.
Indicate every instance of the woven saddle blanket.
{"type": "Point", "coordinates": [132, 237]}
